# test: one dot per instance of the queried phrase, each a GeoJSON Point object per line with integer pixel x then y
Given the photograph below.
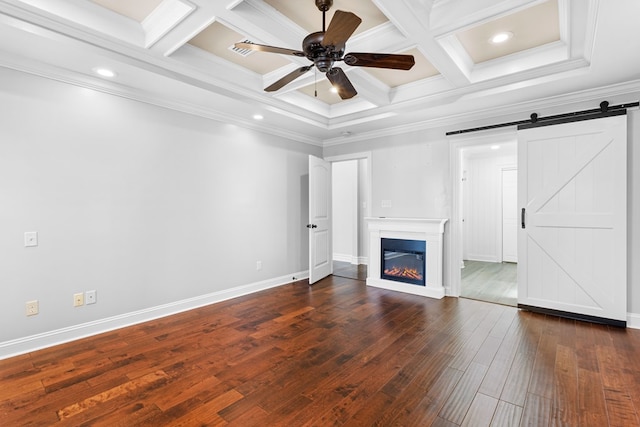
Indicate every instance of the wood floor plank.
{"type": "Point", "coordinates": [537, 411]}
{"type": "Point", "coordinates": [480, 412]}
{"type": "Point", "coordinates": [620, 408]}
{"type": "Point", "coordinates": [496, 377]}
{"type": "Point", "coordinates": [565, 396]}
{"type": "Point", "coordinates": [591, 398]}
{"type": "Point", "coordinates": [506, 415]}
{"type": "Point", "coordinates": [96, 400]}
{"type": "Point", "coordinates": [463, 395]}
{"type": "Point", "coordinates": [542, 380]}
{"type": "Point", "coordinates": [336, 353]}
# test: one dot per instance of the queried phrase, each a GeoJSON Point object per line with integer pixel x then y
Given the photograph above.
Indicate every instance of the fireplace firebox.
{"type": "Point", "coordinates": [403, 260]}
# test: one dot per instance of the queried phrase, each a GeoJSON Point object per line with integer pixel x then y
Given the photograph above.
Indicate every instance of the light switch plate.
{"type": "Point", "coordinates": [31, 238]}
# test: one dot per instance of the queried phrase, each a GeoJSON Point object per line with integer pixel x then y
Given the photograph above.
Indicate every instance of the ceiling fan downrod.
{"type": "Point", "coordinates": [323, 6]}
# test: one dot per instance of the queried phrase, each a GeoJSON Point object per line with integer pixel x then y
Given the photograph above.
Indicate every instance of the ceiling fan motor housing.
{"type": "Point", "coordinates": [322, 56]}
{"type": "Point", "coordinates": [324, 5]}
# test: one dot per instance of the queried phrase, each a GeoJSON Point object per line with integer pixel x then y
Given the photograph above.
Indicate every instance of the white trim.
{"type": "Point", "coordinates": [633, 320]}
{"type": "Point", "coordinates": [343, 257]}
{"type": "Point", "coordinates": [71, 333]}
{"type": "Point", "coordinates": [458, 142]}
{"type": "Point", "coordinates": [363, 260]}
{"type": "Point", "coordinates": [366, 155]}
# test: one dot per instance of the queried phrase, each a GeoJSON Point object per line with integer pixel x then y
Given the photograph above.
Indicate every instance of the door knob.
{"type": "Point", "coordinates": [312, 226]}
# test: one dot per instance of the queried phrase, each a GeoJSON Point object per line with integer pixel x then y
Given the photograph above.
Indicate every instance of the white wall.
{"type": "Point", "coordinates": [363, 211]}
{"type": "Point", "coordinates": [414, 179]}
{"type": "Point", "coordinates": [345, 210]}
{"type": "Point", "coordinates": [145, 205]}
{"type": "Point", "coordinates": [482, 195]}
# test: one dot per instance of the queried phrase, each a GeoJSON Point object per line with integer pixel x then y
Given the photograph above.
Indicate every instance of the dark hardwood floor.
{"type": "Point", "coordinates": [337, 353]}
{"type": "Point", "coordinates": [495, 282]}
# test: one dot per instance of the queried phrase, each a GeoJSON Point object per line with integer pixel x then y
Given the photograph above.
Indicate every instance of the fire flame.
{"type": "Point", "coordinates": [410, 273]}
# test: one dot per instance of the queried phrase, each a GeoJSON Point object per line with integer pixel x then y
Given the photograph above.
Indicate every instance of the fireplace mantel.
{"type": "Point", "coordinates": [429, 230]}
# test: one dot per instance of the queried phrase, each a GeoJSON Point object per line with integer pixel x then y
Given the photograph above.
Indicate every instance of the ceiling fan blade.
{"type": "Point", "coordinates": [380, 60]}
{"type": "Point", "coordinates": [342, 25]}
{"type": "Point", "coordinates": [287, 79]}
{"type": "Point", "coordinates": [341, 82]}
{"type": "Point", "coordinates": [271, 49]}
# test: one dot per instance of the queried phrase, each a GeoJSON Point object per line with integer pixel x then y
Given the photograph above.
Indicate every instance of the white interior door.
{"type": "Point", "coordinates": [510, 215]}
{"type": "Point", "coordinates": [572, 249]}
{"type": "Point", "coordinates": [320, 245]}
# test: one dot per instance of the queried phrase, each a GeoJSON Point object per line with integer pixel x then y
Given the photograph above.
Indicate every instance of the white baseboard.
{"type": "Point", "coordinates": [59, 336]}
{"type": "Point", "coordinates": [342, 257]}
{"type": "Point", "coordinates": [633, 320]}
{"type": "Point", "coordinates": [351, 259]}
{"type": "Point", "coordinates": [482, 258]}
{"type": "Point", "coordinates": [425, 291]}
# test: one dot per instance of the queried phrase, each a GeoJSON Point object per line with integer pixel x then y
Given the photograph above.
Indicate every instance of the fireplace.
{"type": "Point", "coordinates": [403, 260]}
{"type": "Point", "coordinates": [419, 234]}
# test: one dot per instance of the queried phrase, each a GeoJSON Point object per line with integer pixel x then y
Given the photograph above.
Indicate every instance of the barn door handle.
{"type": "Point", "coordinates": [312, 226]}
{"type": "Point", "coordinates": [522, 218]}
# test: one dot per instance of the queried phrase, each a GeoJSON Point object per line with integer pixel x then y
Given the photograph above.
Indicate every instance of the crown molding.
{"type": "Point", "coordinates": [80, 80]}
{"type": "Point", "coordinates": [616, 93]}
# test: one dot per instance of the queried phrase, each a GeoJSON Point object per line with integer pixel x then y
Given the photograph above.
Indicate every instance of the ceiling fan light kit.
{"type": "Point", "coordinates": [325, 48]}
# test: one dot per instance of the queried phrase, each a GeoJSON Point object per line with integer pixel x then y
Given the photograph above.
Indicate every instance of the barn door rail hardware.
{"type": "Point", "coordinates": [535, 121]}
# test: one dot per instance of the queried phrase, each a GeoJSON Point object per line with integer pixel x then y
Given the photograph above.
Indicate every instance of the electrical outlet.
{"type": "Point", "coordinates": [32, 308]}
{"type": "Point", "coordinates": [31, 238]}
{"type": "Point", "coordinates": [258, 265]}
{"type": "Point", "coordinates": [90, 297]}
{"type": "Point", "coordinates": [78, 299]}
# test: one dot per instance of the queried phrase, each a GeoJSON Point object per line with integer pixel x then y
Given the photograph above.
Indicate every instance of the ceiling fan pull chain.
{"type": "Point", "coordinates": [315, 82]}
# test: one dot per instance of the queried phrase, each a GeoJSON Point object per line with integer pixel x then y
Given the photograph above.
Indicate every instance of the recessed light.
{"type": "Point", "coordinates": [104, 72]}
{"type": "Point", "coordinates": [495, 147]}
{"type": "Point", "coordinates": [258, 117]}
{"type": "Point", "coordinates": [501, 37]}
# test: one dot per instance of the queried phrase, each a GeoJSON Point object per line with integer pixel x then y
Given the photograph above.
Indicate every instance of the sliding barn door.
{"type": "Point", "coordinates": [572, 195]}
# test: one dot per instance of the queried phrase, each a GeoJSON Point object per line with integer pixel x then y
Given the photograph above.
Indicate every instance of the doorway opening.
{"type": "Point", "coordinates": [486, 232]}
{"type": "Point", "coordinates": [350, 197]}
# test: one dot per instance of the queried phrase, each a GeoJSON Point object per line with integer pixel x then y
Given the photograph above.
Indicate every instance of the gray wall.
{"type": "Point", "coordinates": [344, 180]}
{"type": "Point", "coordinates": [146, 205]}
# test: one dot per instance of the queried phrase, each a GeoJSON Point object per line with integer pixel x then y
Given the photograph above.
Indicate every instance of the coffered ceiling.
{"type": "Point", "coordinates": [178, 54]}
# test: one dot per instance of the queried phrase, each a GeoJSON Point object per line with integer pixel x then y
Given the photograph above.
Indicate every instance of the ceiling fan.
{"type": "Point", "coordinates": [325, 48]}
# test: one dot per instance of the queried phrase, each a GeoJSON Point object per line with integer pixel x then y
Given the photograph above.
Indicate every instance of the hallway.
{"type": "Point", "coordinates": [490, 281]}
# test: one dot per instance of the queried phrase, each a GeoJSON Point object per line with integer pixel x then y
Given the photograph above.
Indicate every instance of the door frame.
{"type": "Point", "coordinates": [366, 155]}
{"type": "Point", "coordinates": [502, 171]}
{"type": "Point", "coordinates": [456, 144]}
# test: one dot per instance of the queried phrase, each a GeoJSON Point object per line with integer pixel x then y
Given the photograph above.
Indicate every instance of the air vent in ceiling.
{"type": "Point", "coordinates": [241, 52]}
